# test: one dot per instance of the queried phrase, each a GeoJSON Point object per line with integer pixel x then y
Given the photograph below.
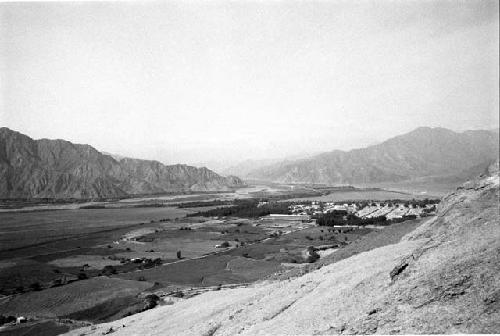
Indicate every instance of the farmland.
{"type": "Point", "coordinates": [99, 261]}
{"type": "Point", "coordinates": [19, 231]}
{"type": "Point", "coordinates": [65, 300]}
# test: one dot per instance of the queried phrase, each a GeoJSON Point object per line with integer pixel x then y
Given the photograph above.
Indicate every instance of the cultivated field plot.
{"type": "Point", "coordinates": [288, 248]}
{"type": "Point", "coordinates": [52, 246]}
{"type": "Point", "coordinates": [260, 257]}
{"type": "Point", "coordinates": [95, 262]}
{"type": "Point", "coordinates": [208, 271]}
{"type": "Point", "coordinates": [26, 233]}
{"type": "Point", "coordinates": [45, 328]}
{"type": "Point", "coordinates": [190, 245]}
{"type": "Point", "coordinates": [65, 300]}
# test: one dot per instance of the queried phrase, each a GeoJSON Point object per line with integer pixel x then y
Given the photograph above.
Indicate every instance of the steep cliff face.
{"type": "Point", "coordinates": [61, 169]}
{"type": "Point", "coordinates": [152, 177]}
{"type": "Point", "coordinates": [444, 277]}
{"type": "Point", "coordinates": [424, 152]}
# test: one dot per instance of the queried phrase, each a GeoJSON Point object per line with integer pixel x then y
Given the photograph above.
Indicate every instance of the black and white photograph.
{"type": "Point", "coordinates": [249, 167]}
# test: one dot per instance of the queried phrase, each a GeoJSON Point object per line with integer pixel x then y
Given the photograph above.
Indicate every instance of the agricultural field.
{"type": "Point", "coordinates": [20, 231]}
{"type": "Point", "coordinates": [69, 299]}
{"type": "Point", "coordinates": [43, 247]}
{"type": "Point", "coordinates": [62, 268]}
{"type": "Point", "coordinates": [57, 310]}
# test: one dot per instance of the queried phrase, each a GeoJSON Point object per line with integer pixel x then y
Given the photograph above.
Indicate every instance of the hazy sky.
{"type": "Point", "coordinates": [206, 81]}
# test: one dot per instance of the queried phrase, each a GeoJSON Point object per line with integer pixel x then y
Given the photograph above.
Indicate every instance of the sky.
{"type": "Point", "coordinates": [218, 82]}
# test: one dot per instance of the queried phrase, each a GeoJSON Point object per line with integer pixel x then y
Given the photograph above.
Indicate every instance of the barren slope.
{"type": "Point", "coordinates": [61, 169]}
{"type": "Point", "coordinates": [442, 278]}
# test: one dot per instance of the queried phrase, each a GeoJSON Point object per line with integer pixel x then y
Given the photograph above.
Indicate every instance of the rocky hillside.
{"type": "Point", "coordinates": [425, 152]}
{"type": "Point", "coordinates": [61, 169]}
{"type": "Point", "coordinates": [444, 277]}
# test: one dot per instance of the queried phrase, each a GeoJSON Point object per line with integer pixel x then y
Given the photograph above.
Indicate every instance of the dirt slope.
{"type": "Point", "coordinates": [444, 277]}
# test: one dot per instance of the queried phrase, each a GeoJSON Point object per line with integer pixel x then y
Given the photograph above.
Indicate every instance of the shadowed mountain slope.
{"type": "Point", "coordinates": [61, 169]}
{"type": "Point", "coordinates": [444, 277]}
{"type": "Point", "coordinates": [425, 152]}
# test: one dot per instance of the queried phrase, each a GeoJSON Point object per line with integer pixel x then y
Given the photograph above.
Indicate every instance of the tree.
{"type": "Point", "coordinates": [151, 301]}
{"type": "Point", "coordinates": [36, 286]}
{"type": "Point", "coordinates": [109, 269]}
{"type": "Point", "coordinates": [311, 255]}
{"type": "Point", "coordinates": [82, 276]}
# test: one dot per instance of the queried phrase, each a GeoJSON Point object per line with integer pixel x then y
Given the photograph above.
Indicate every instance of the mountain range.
{"type": "Point", "coordinates": [60, 169]}
{"type": "Point", "coordinates": [432, 153]}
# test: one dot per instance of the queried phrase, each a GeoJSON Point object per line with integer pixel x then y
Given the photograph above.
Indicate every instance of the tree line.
{"type": "Point", "coordinates": [246, 209]}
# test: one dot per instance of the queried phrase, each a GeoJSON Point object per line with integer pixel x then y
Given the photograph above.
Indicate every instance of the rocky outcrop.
{"type": "Point", "coordinates": [61, 169]}
{"type": "Point", "coordinates": [444, 277]}
{"type": "Point", "coordinates": [432, 153]}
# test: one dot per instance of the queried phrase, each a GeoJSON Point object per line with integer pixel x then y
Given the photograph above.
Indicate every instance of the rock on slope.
{"type": "Point", "coordinates": [444, 277]}
{"type": "Point", "coordinates": [423, 153]}
{"type": "Point", "coordinates": [61, 169]}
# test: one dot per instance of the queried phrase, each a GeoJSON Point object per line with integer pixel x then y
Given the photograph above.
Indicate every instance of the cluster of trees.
{"type": "Point", "coordinates": [402, 219]}
{"type": "Point", "coordinates": [342, 217]}
{"type": "Point", "coordinates": [413, 203]}
{"type": "Point", "coordinates": [246, 209]}
{"type": "Point", "coordinates": [7, 319]}
{"type": "Point", "coordinates": [196, 204]}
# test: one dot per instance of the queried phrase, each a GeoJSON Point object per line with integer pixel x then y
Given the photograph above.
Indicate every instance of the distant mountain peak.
{"type": "Point", "coordinates": [423, 152]}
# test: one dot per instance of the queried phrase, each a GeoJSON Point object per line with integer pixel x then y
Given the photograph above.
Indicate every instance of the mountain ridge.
{"type": "Point", "coordinates": [423, 152]}
{"type": "Point", "coordinates": [61, 169]}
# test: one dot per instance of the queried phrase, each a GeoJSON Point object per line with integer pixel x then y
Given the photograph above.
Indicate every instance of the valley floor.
{"type": "Point", "coordinates": [442, 278]}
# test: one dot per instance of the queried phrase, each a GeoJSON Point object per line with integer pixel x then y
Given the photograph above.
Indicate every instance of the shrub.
{"type": "Point", "coordinates": [56, 283]}
{"type": "Point", "coordinates": [312, 255]}
{"type": "Point", "coordinates": [151, 301]}
{"type": "Point", "coordinates": [178, 294]}
{"type": "Point", "coordinates": [36, 286]}
{"type": "Point", "coordinates": [6, 319]}
{"type": "Point", "coordinates": [108, 269]}
{"type": "Point", "coordinates": [82, 276]}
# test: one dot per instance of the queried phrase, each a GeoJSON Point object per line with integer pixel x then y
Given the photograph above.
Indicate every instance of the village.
{"type": "Point", "coordinates": [391, 210]}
